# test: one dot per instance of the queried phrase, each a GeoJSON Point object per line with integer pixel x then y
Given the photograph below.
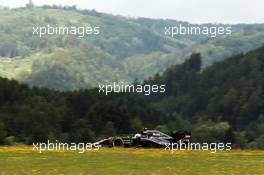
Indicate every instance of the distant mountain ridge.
{"type": "Point", "coordinates": [126, 48]}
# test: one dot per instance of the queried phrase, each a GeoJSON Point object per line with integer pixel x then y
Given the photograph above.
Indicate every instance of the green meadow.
{"type": "Point", "coordinates": [23, 160]}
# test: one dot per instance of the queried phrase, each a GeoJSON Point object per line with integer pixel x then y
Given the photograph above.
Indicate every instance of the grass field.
{"type": "Point", "coordinates": [23, 160]}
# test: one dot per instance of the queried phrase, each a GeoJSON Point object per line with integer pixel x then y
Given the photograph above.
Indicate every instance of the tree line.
{"type": "Point", "coordinates": [224, 103]}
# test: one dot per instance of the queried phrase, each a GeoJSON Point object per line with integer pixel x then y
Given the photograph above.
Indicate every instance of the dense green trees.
{"type": "Point", "coordinates": [8, 46]}
{"type": "Point", "coordinates": [82, 65]}
{"type": "Point", "coordinates": [2, 132]}
{"type": "Point", "coordinates": [125, 49]}
{"type": "Point", "coordinates": [221, 103]}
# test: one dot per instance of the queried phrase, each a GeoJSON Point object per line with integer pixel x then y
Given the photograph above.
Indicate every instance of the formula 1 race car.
{"type": "Point", "coordinates": [147, 138]}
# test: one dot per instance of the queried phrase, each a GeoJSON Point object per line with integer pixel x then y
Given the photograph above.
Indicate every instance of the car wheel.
{"type": "Point", "coordinates": [118, 142]}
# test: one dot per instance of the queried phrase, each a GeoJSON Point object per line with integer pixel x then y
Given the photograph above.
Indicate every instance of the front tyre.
{"type": "Point", "coordinates": [118, 142]}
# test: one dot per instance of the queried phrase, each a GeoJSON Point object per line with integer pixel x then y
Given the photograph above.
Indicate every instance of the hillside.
{"type": "Point", "coordinates": [126, 48]}
{"type": "Point", "coordinates": [222, 103]}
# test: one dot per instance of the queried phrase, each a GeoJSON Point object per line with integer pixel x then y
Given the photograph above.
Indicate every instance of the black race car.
{"type": "Point", "coordinates": [147, 138]}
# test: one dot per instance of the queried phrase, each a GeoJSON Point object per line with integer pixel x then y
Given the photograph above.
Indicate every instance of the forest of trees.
{"type": "Point", "coordinates": [126, 48]}
{"type": "Point", "coordinates": [224, 102]}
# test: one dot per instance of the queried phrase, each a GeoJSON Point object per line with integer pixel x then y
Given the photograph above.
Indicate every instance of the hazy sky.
{"type": "Point", "coordinates": [196, 11]}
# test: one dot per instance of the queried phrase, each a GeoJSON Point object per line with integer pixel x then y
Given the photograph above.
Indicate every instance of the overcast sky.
{"type": "Point", "coordinates": [196, 11]}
